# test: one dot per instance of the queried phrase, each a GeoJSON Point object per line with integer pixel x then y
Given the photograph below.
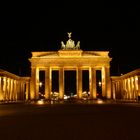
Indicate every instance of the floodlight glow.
{"type": "Point", "coordinates": [99, 101]}
{"type": "Point", "coordinates": [40, 84]}
{"type": "Point", "coordinates": [40, 102]}
{"type": "Point", "coordinates": [65, 97]}
{"type": "Point", "coordinates": [100, 83]}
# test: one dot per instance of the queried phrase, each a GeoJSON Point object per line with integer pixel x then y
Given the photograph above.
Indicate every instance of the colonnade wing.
{"type": "Point", "coordinates": [13, 87]}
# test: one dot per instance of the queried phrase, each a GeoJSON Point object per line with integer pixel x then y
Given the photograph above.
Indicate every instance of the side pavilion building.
{"type": "Point", "coordinates": [70, 57]}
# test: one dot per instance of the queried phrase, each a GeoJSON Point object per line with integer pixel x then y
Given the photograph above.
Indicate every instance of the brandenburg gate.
{"type": "Point", "coordinates": [70, 57]}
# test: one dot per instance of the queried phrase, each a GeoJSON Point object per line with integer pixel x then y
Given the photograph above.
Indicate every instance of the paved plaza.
{"type": "Point", "coordinates": [70, 121]}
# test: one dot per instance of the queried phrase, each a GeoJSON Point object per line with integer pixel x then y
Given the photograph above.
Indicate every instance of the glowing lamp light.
{"type": "Point", "coordinates": [40, 84]}
{"type": "Point", "coordinates": [100, 83]}
{"type": "Point", "coordinates": [99, 101]}
{"type": "Point", "coordinates": [40, 102]}
{"type": "Point", "coordinates": [65, 97]}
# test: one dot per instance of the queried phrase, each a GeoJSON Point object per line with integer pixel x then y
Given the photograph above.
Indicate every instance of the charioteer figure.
{"type": "Point", "coordinates": [70, 45]}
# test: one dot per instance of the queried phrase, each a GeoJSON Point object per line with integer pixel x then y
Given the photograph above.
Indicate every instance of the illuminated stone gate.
{"type": "Point", "coordinates": [70, 57]}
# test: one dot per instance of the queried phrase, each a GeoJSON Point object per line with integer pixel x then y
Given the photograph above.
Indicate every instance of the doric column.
{"type": "Point", "coordinates": [1, 91]}
{"type": "Point", "coordinates": [79, 82]}
{"type": "Point", "coordinates": [132, 87]}
{"type": "Point", "coordinates": [117, 89]}
{"type": "Point", "coordinates": [22, 90]}
{"type": "Point", "coordinates": [103, 82]}
{"type": "Point", "coordinates": [32, 83]}
{"type": "Point", "coordinates": [11, 89]}
{"type": "Point", "coordinates": [14, 91]}
{"type": "Point", "coordinates": [125, 88]}
{"type": "Point", "coordinates": [130, 84]}
{"type": "Point", "coordinates": [8, 88]}
{"type": "Point", "coordinates": [4, 87]}
{"type": "Point", "coordinates": [48, 83]}
{"type": "Point", "coordinates": [92, 83]}
{"type": "Point", "coordinates": [18, 90]}
{"type": "Point", "coordinates": [34, 88]}
{"type": "Point", "coordinates": [134, 82]}
{"type": "Point", "coordinates": [114, 90]}
{"type": "Point", "coordinates": [106, 82]}
{"type": "Point", "coordinates": [138, 81]}
{"type": "Point", "coordinates": [61, 83]}
{"type": "Point", "coordinates": [121, 88]}
{"type": "Point", "coordinates": [27, 91]}
{"type": "Point", "coordinates": [9, 93]}
{"type": "Point", "coordinates": [127, 92]}
{"type": "Point", "coordinates": [37, 84]}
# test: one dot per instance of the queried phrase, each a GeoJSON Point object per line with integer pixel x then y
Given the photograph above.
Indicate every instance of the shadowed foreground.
{"type": "Point", "coordinates": [70, 122]}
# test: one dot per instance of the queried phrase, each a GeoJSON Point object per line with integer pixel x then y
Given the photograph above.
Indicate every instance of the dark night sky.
{"type": "Point", "coordinates": [97, 26]}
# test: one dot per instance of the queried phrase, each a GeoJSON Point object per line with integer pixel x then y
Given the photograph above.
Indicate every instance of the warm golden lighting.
{"type": "Point", "coordinates": [136, 82]}
{"type": "Point", "coordinates": [99, 101]}
{"type": "Point", "coordinates": [12, 87]}
{"type": "Point", "coordinates": [100, 83]}
{"type": "Point", "coordinates": [40, 102]}
{"type": "Point", "coordinates": [40, 84]}
{"type": "Point", "coordinates": [4, 79]}
{"type": "Point", "coordinates": [70, 57]}
{"type": "Point", "coordinates": [136, 78]}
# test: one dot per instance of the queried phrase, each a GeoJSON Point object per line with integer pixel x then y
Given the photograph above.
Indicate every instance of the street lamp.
{"type": "Point", "coordinates": [100, 83]}
{"type": "Point", "coordinates": [40, 84]}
